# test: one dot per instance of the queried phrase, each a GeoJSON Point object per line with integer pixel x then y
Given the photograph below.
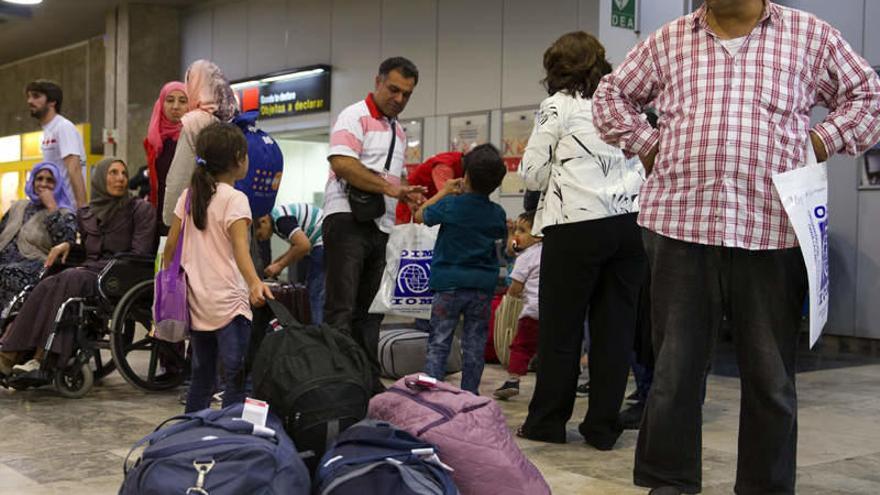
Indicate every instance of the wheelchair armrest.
{"type": "Point", "coordinates": [145, 259]}
{"type": "Point", "coordinates": [76, 256]}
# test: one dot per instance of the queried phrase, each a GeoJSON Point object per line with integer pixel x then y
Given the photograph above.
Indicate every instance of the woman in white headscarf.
{"type": "Point", "coordinates": [211, 99]}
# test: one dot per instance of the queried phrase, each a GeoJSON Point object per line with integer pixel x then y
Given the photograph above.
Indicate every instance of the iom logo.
{"type": "Point", "coordinates": [413, 277]}
{"type": "Point", "coordinates": [820, 213]}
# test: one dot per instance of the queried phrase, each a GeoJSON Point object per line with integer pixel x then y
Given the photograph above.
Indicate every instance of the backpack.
{"type": "Point", "coordinates": [216, 452]}
{"type": "Point", "coordinates": [266, 163]}
{"type": "Point", "coordinates": [374, 457]}
{"type": "Point", "coordinates": [470, 430]}
{"type": "Point", "coordinates": [316, 377]}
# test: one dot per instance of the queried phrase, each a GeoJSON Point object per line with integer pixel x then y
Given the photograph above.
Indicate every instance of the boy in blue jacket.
{"type": "Point", "coordinates": [464, 268]}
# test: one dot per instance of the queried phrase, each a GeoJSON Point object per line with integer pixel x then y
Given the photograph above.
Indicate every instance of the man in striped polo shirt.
{"type": "Point", "coordinates": [300, 225]}
{"type": "Point", "coordinates": [366, 156]}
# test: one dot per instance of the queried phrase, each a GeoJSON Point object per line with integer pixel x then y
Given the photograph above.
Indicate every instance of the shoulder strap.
{"type": "Point", "coordinates": [391, 148]}
{"type": "Point", "coordinates": [178, 250]}
{"type": "Point", "coordinates": [283, 315]}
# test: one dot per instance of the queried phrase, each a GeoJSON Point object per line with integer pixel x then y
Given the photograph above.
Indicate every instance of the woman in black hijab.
{"type": "Point", "coordinates": [112, 223]}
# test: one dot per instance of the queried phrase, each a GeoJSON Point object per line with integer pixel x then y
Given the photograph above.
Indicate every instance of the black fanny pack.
{"type": "Point", "coordinates": [367, 206]}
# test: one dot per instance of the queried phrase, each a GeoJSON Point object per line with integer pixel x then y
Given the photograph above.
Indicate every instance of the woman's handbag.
{"type": "Point", "coordinates": [170, 308]}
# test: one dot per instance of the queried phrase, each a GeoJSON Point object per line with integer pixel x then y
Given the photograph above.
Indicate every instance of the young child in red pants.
{"type": "Point", "coordinates": [524, 284]}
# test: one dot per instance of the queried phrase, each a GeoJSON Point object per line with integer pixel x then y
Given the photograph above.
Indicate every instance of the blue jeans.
{"type": "Point", "coordinates": [448, 307]}
{"type": "Point", "coordinates": [315, 284]}
{"type": "Point", "coordinates": [229, 345]}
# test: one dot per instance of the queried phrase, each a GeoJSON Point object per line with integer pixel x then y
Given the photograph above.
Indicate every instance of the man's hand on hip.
{"type": "Point", "coordinates": [648, 160]}
{"type": "Point", "coordinates": [818, 147]}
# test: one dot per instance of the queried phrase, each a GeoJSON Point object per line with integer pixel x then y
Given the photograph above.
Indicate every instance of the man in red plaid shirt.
{"type": "Point", "coordinates": [734, 84]}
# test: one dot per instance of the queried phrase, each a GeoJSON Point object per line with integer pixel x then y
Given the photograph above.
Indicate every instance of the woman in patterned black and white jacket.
{"type": "Point", "coordinates": [593, 258]}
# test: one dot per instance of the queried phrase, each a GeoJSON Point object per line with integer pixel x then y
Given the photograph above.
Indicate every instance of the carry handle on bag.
{"type": "Point", "coordinates": [282, 314]}
{"type": "Point", "coordinates": [170, 308]}
{"type": "Point", "coordinates": [366, 206]}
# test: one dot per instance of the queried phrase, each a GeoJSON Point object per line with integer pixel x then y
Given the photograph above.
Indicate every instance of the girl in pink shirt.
{"type": "Point", "coordinates": [222, 281]}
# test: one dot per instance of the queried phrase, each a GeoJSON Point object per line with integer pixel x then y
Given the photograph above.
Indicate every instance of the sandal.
{"type": "Point", "coordinates": [521, 433]}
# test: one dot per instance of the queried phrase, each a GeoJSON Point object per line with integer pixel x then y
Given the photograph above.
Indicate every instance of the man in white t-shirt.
{"type": "Point", "coordinates": [366, 153]}
{"type": "Point", "coordinates": [62, 144]}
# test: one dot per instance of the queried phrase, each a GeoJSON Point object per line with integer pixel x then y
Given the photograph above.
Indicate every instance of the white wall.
{"type": "Point", "coordinates": [472, 56]}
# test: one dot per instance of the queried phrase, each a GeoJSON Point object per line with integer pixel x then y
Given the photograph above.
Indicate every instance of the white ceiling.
{"type": "Point", "coordinates": [56, 23]}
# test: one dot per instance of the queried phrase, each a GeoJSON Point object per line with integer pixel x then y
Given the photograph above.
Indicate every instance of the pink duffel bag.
{"type": "Point", "coordinates": [470, 432]}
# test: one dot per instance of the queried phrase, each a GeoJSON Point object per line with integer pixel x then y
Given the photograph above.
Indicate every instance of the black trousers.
{"type": "Point", "coordinates": [598, 264]}
{"type": "Point", "coordinates": [354, 259]}
{"type": "Point", "coordinates": [763, 294]}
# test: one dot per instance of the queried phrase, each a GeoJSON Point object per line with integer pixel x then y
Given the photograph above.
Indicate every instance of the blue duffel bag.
{"type": "Point", "coordinates": [375, 458]}
{"type": "Point", "coordinates": [215, 452]}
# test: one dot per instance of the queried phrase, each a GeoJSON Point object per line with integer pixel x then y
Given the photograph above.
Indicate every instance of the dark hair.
{"type": "Point", "coordinates": [485, 168]}
{"type": "Point", "coordinates": [528, 216]}
{"type": "Point", "coordinates": [404, 65]}
{"type": "Point", "coordinates": [219, 148]}
{"type": "Point", "coordinates": [49, 88]}
{"type": "Point", "coordinates": [575, 63]}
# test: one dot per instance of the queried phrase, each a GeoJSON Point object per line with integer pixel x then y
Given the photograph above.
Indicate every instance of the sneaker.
{"type": "Point", "coordinates": [509, 389]}
{"type": "Point", "coordinates": [217, 398]}
{"type": "Point", "coordinates": [583, 389]}
{"type": "Point", "coordinates": [32, 365]}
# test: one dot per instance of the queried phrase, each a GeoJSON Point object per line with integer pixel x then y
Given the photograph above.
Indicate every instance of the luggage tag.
{"type": "Point", "coordinates": [255, 411]}
{"type": "Point", "coordinates": [423, 382]}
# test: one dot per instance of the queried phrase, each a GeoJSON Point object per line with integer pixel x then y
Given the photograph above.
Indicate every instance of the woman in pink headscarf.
{"type": "Point", "coordinates": [161, 141]}
{"type": "Point", "coordinates": [210, 99]}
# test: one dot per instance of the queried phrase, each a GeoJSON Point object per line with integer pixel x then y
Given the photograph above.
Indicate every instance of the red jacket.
{"type": "Point", "coordinates": [422, 176]}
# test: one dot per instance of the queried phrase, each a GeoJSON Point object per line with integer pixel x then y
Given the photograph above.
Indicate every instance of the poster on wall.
{"type": "Point", "coordinates": [516, 127]}
{"type": "Point", "coordinates": [625, 14]}
{"type": "Point", "coordinates": [413, 154]}
{"type": "Point", "coordinates": [468, 131]}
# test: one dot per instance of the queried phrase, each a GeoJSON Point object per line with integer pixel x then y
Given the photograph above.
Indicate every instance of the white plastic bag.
{"type": "Point", "coordinates": [804, 195]}
{"type": "Point", "coordinates": [404, 289]}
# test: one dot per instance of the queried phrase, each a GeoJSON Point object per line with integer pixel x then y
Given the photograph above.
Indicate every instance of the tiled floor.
{"type": "Point", "coordinates": [51, 445]}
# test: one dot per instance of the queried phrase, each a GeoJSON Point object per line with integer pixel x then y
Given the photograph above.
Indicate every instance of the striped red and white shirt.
{"type": "Point", "coordinates": [731, 120]}
{"type": "Point", "coordinates": [362, 132]}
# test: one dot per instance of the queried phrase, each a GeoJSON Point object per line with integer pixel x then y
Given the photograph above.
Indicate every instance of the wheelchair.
{"type": "Point", "coordinates": [118, 319]}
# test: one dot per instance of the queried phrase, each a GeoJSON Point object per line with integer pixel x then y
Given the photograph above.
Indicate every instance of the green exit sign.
{"type": "Point", "coordinates": [623, 14]}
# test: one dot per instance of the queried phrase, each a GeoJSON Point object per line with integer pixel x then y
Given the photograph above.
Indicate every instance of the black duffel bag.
{"type": "Point", "coordinates": [316, 378]}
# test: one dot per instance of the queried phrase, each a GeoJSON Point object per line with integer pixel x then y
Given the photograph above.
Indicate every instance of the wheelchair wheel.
{"type": "Point", "coordinates": [74, 381]}
{"type": "Point", "coordinates": [137, 355]}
